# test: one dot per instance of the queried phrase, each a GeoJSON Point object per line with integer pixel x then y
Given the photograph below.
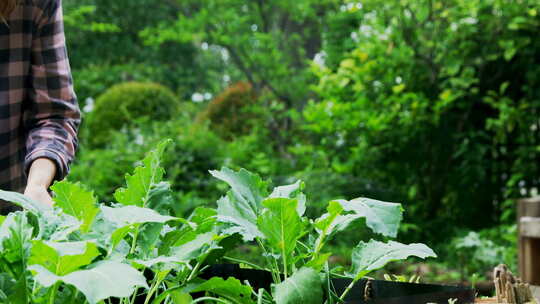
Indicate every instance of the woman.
{"type": "Point", "coordinates": [39, 115]}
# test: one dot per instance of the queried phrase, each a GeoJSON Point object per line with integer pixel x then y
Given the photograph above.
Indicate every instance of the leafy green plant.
{"type": "Point", "coordinates": [82, 252]}
{"type": "Point", "coordinates": [79, 250]}
{"type": "Point", "coordinates": [294, 245]}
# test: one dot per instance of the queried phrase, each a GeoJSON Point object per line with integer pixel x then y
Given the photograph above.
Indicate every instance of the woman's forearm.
{"type": "Point", "coordinates": [41, 173]}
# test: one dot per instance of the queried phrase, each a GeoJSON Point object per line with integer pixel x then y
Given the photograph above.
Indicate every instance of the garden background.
{"type": "Point", "coordinates": [433, 104]}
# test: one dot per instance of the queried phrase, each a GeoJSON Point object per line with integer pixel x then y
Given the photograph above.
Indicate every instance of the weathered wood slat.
{"type": "Point", "coordinates": [530, 227]}
{"type": "Point", "coordinates": [509, 289]}
{"type": "Point", "coordinates": [536, 292]}
{"type": "Point", "coordinates": [529, 206]}
{"type": "Point", "coordinates": [529, 239]}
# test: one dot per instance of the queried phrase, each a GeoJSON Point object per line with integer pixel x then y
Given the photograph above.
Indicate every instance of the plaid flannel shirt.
{"type": "Point", "coordinates": [39, 115]}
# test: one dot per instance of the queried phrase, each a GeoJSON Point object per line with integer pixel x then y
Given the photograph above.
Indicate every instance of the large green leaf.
{"type": "Point", "coordinates": [281, 225]}
{"type": "Point", "coordinates": [129, 215]}
{"type": "Point", "coordinates": [326, 225]}
{"type": "Point", "coordinates": [62, 258]}
{"type": "Point", "coordinates": [246, 187]}
{"type": "Point", "coordinates": [231, 289]}
{"type": "Point", "coordinates": [197, 248]}
{"type": "Point", "coordinates": [202, 220]}
{"type": "Point", "coordinates": [292, 191]}
{"type": "Point", "coordinates": [24, 202]}
{"type": "Point", "coordinates": [145, 177]}
{"type": "Point", "coordinates": [76, 201]}
{"type": "Point", "coordinates": [15, 243]}
{"type": "Point", "coordinates": [118, 235]}
{"type": "Point", "coordinates": [178, 297]}
{"type": "Point", "coordinates": [115, 223]}
{"type": "Point", "coordinates": [331, 220]}
{"type": "Point", "coordinates": [15, 237]}
{"type": "Point", "coordinates": [148, 238]}
{"type": "Point", "coordinates": [16, 291]}
{"type": "Point", "coordinates": [160, 198]}
{"type": "Point", "coordinates": [374, 255]}
{"type": "Point", "coordinates": [238, 218]}
{"type": "Point", "coordinates": [167, 262]}
{"type": "Point", "coordinates": [53, 224]}
{"type": "Point", "coordinates": [104, 280]}
{"type": "Point", "coordinates": [7, 286]}
{"type": "Point", "coordinates": [241, 206]}
{"type": "Point", "coordinates": [381, 217]}
{"type": "Point", "coordinates": [304, 286]}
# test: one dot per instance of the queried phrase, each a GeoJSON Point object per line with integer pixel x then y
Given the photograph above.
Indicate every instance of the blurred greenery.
{"type": "Point", "coordinates": [430, 103]}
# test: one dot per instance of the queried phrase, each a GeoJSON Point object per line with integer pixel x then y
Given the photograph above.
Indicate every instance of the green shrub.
{"type": "Point", "coordinates": [229, 113]}
{"type": "Point", "coordinates": [126, 103]}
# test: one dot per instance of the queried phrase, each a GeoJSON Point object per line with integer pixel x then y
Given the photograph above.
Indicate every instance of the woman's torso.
{"type": "Point", "coordinates": [16, 35]}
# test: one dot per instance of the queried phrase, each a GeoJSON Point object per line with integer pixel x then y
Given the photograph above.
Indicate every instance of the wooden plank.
{"type": "Point", "coordinates": [531, 261]}
{"type": "Point", "coordinates": [529, 207]}
{"type": "Point", "coordinates": [530, 227]}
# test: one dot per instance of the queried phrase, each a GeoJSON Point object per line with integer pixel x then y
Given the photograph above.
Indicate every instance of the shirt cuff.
{"type": "Point", "coordinates": [61, 166]}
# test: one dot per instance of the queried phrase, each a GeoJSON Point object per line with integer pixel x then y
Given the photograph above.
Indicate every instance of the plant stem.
{"type": "Point", "coordinates": [53, 293]}
{"type": "Point", "coordinates": [165, 294]}
{"type": "Point", "coordinates": [153, 288]}
{"type": "Point", "coordinates": [134, 296]}
{"type": "Point", "coordinates": [193, 272]}
{"type": "Point", "coordinates": [328, 286]}
{"type": "Point", "coordinates": [260, 296]}
{"type": "Point", "coordinates": [74, 297]}
{"type": "Point", "coordinates": [275, 268]}
{"type": "Point", "coordinates": [134, 241]}
{"type": "Point", "coordinates": [137, 226]}
{"type": "Point", "coordinates": [347, 290]}
{"type": "Point", "coordinates": [243, 262]}
{"type": "Point", "coordinates": [319, 244]}
{"type": "Point", "coordinates": [284, 263]}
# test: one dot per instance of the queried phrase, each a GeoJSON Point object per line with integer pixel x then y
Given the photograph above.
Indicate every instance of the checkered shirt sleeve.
{"type": "Point", "coordinates": [52, 115]}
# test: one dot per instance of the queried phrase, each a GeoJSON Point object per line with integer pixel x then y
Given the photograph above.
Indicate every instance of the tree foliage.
{"type": "Point", "coordinates": [105, 33]}
{"type": "Point", "coordinates": [437, 103]}
{"type": "Point", "coordinates": [269, 42]}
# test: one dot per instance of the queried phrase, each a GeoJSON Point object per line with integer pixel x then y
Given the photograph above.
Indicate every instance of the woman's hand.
{"type": "Point", "coordinates": [38, 194]}
{"type": "Point", "coordinates": [40, 177]}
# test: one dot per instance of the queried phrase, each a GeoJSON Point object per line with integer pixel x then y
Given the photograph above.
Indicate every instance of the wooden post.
{"type": "Point", "coordinates": [529, 240]}
{"type": "Point", "coordinates": [509, 289]}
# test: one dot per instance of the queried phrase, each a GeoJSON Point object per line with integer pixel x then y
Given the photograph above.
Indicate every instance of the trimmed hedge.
{"type": "Point", "coordinates": [230, 113]}
{"type": "Point", "coordinates": [124, 104]}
